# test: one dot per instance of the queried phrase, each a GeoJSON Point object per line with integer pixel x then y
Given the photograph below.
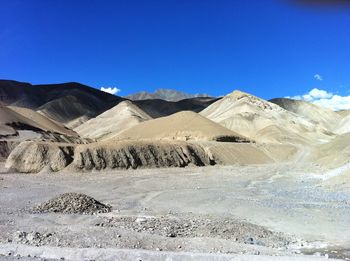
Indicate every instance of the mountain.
{"type": "Point", "coordinates": [18, 124]}
{"type": "Point", "coordinates": [110, 123]}
{"type": "Point", "coordinates": [319, 115]}
{"type": "Point", "coordinates": [164, 94]}
{"type": "Point", "coordinates": [264, 121]}
{"type": "Point", "coordinates": [333, 154]}
{"type": "Point", "coordinates": [64, 102]}
{"type": "Point", "coordinates": [160, 108]}
{"type": "Point", "coordinates": [185, 125]}
{"type": "Point", "coordinates": [343, 113]}
{"type": "Point", "coordinates": [73, 103]}
{"type": "Point", "coordinates": [13, 119]}
{"type": "Point", "coordinates": [43, 122]}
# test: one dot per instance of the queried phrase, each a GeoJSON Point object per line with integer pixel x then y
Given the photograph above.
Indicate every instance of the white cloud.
{"type": "Point", "coordinates": [111, 90]}
{"type": "Point", "coordinates": [320, 94]}
{"type": "Point", "coordinates": [318, 77]}
{"type": "Point", "coordinates": [336, 102]}
{"type": "Point", "coordinates": [325, 99]}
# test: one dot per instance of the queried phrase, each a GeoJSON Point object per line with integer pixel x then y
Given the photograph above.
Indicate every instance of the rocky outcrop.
{"type": "Point", "coordinates": [143, 154]}
{"type": "Point", "coordinates": [33, 157]}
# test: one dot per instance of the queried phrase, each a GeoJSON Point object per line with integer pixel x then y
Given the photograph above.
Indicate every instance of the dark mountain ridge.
{"type": "Point", "coordinates": [164, 94]}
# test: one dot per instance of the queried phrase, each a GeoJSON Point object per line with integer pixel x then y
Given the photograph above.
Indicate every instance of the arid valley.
{"type": "Point", "coordinates": [86, 175]}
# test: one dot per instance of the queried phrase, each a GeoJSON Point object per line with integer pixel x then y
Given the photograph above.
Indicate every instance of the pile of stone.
{"type": "Point", "coordinates": [73, 203]}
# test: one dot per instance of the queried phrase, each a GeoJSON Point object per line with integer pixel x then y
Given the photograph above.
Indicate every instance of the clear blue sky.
{"type": "Point", "coordinates": [270, 48]}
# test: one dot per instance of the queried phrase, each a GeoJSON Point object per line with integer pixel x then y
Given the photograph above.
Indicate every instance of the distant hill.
{"type": "Point", "coordinates": [64, 102]}
{"type": "Point", "coordinates": [325, 117]}
{"type": "Point", "coordinates": [164, 94]}
{"type": "Point", "coordinates": [184, 125]}
{"type": "Point", "coordinates": [265, 121]}
{"type": "Point", "coordinates": [19, 124]}
{"type": "Point", "coordinates": [159, 108]}
{"type": "Point", "coordinates": [73, 103]}
{"type": "Point", "coordinates": [113, 121]}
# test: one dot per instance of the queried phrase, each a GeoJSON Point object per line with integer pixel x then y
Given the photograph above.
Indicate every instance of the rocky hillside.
{"type": "Point", "coordinates": [265, 121]}
{"type": "Point", "coordinates": [164, 94]}
{"type": "Point", "coordinates": [64, 102]}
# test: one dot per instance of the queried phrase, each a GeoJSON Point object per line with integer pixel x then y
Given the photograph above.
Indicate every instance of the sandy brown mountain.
{"type": "Point", "coordinates": [113, 121]}
{"type": "Point", "coordinates": [14, 119]}
{"type": "Point", "coordinates": [318, 115]}
{"type": "Point", "coordinates": [185, 125]}
{"type": "Point", "coordinates": [264, 121]}
{"type": "Point", "coordinates": [19, 124]}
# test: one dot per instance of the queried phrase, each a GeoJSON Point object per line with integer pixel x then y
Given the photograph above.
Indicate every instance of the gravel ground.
{"type": "Point", "coordinates": [270, 210]}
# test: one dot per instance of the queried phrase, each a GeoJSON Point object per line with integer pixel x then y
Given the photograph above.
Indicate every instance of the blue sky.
{"type": "Point", "coordinates": [270, 48]}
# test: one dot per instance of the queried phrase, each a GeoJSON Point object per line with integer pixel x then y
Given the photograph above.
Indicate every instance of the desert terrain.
{"type": "Point", "coordinates": [148, 177]}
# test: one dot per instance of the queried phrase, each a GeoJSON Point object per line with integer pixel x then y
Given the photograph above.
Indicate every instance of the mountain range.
{"type": "Point", "coordinates": [164, 94]}
{"type": "Point", "coordinates": [72, 126]}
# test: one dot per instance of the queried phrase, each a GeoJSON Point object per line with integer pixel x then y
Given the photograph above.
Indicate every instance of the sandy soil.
{"type": "Point", "coordinates": [207, 213]}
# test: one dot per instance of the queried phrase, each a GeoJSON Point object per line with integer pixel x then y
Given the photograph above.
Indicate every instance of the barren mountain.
{"type": "Point", "coordinates": [343, 113]}
{"type": "Point", "coordinates": [164, 94]}
{"type": "Point", "coordinates": [11, 121]}
{"type": "Point", "coordinates": [64, 102]}
{"type": "Point", "coordinates": [45, 123]}
{"type": "Point", "coordinates": [318, 115]}
{"type": "Point", "coordinates": [19, 124]}
{"type": "Point", "coordinates": [333, 154]}
{"type": "Point", "coordinates": [337, 122]}
{"type": "Point", "coordinates": [159, 108]}
{"type": "Point", "coordinates": [184, 125]}
{"type": "Point", "coordinates": [263, 121]}
{"type": "Point", "coordinates": [14, 119]}
{"type": "Point", "coordinates": [113, 121]}
{"type": "Point", "coordinates": [343, 125]}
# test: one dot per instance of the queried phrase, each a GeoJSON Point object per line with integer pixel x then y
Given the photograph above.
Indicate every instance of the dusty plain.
{"type": "Point", "coordinates": [280, 211]}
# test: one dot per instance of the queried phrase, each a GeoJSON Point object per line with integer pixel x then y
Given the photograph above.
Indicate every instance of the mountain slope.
{"type": "Point", "coordinates": [11, 121]}
{"type": "Point", "coordinates": [333, 154]}
{"type": "Point", "coordinates": [319, 115]}
{"type": "Point", "coordinates": [121, 117]}
{"type": "Point", "coordinates": [263, 121]}
{"type": "Point", "coordinates": [62, 102]}
{"type": "Point", "coordinates": [43, 122]}
{"type": "Point", "coordinates": [164, 94]}
{"type": "Point", "coordinates": [17, 124]}
{"type": "Point", "coordinates": [160, 108]}
{"type": "Point", "coordinates": [343, 125]}
{"type": "Point", "coordinates": [185, 125]}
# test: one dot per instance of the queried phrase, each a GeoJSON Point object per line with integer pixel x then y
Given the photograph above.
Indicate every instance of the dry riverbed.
{"type": "Point", "coordinates": [210, 213]}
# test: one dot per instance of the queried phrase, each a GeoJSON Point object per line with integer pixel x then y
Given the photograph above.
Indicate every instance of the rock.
{"type": "Point", "coordinates": [141, 220]}
{"type": "Point", "coordinates": [32, 157]}
{"type": "Point", "coordinates": [249, 240]}
{"type": "Point", "coordinates": [33, 236]}
{"type": "Point", "coordinates": [19, 235]}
